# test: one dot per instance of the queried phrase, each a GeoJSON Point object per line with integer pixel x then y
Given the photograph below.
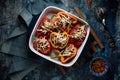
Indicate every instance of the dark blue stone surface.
{"type": "Point", "coordinates": [45, 70]}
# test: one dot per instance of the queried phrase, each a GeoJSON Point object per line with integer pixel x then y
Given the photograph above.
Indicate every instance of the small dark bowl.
{"type": "Point", "coordinates": [98, 66]}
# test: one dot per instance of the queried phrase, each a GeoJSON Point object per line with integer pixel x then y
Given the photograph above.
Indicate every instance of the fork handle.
{"type": "Point", "coordinates": [110, 38]}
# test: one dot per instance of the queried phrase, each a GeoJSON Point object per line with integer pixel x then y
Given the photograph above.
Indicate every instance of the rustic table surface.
{"type": "Point", "coordinates": [17, 62]}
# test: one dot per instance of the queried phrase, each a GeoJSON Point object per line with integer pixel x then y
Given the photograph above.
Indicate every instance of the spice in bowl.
{"type": "Point", "coordinates": [98, 66]}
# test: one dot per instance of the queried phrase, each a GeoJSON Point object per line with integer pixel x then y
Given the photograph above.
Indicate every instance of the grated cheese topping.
{"type": "Point", "coordinates": [68, 51]}
{"type": "Point", "coordinates": [46, 27]}
{"type": "Point", "coordinates": [42, 44]}
{"type": "Point", "coordinates": [59, 39]}
{"type": "Point", "coordinates": [64, 21]}
{"type": "Point", "coordinates": [79, 33]}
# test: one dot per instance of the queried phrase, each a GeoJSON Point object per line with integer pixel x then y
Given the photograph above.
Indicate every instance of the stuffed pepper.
{"type": "Point", "coordinates": [42, 45]}
{"type": "Point", "coordinates": [59, 40]}
{"type": "Point", "coordinates": [77, 35]}
{"type": "Point", "coordinates": [67, 54]}
{"type": "Point", "coordinates": [64, 21]}
{"type": "Point", "coordinates": [44, 27]}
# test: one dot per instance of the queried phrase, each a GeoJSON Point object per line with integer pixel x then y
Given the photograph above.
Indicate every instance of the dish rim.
{"type": "Point", "coordinates": [47, 57]}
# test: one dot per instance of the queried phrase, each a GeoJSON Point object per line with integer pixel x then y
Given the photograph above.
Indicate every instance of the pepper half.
{"type": "Point", "coordinates": [42, 45]}
{"type": "Point", "coordinates": [67, 54]}
{"type": "Point", "coordinates": [59, 40]}
{"type": "Point", "coordinates": [44, 27]}
{"type": "Point", "coordinates": [64, 21]}
{"type": "Point", "coordinates": [77, 35]}
{"type": "Point", "coordinates": [72, 18]}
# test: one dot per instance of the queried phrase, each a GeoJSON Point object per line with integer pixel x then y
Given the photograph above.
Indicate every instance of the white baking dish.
{"type": "Point", "coordinates": [48, 12]}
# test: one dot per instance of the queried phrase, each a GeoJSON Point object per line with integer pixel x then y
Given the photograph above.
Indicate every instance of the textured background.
{"type": "Point", "coordinates": [14, 65]}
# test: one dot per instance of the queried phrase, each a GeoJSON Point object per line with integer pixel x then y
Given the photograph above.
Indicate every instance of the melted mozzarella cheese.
{"type": "Point", "coordinates": [42, 44]}
{"type": "Point", "coordinates": [68, 51]}
{"type": "Point", "coordinates": [47, 24]}
{"type": "Point", "coordinates": [79, 33]}
{"type": "Point", "coordinates": [64, 20]}
{"type": "Point", "coordinates": [46, 27]}
{"type": "Point", "coordinates": [59, 38]}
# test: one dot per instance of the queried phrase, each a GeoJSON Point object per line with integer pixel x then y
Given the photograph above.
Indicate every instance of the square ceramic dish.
{"type": "Point", "coordinates": [48, 12]}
